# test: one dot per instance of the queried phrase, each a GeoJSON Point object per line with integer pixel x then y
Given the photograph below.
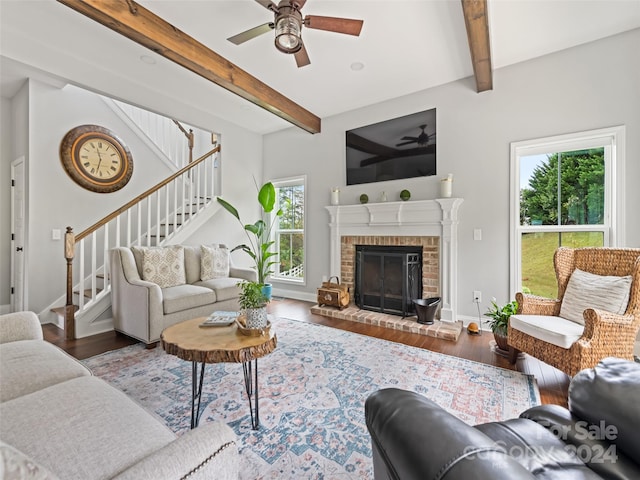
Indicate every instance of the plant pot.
{"type": "Point", "coordinates": [501, 341]}
{"type": "Point", "coordinates": [256, 317]}
{"type": "Point", "coordinates": [266, 291]}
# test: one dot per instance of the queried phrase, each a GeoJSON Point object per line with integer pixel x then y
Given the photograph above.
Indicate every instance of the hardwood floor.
{"type": "Point", "coordinates": [552, 383]}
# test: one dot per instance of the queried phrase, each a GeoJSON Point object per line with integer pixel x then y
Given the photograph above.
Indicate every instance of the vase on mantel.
{"type": "Point", "coordinates": [446, 186]}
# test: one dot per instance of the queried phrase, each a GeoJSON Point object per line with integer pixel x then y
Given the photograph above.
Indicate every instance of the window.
{"type": "Point", "coordinates": [564, 193]}
{"type": "Point", "coordinates": [288, 233]}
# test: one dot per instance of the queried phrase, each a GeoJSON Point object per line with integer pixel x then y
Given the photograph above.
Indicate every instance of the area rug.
{"type": "Point", "coordinates": [312, 393]}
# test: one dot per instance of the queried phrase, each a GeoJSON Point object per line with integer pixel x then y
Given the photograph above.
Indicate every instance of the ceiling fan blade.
{"type": "Point", "coordinates": [334, 24]}
{"type": "Point", "coordinates": [269, 5]}
{"type": "Point", "coordinates": [415, 139]}
{"type": "Point", "coordinates": [251, 33]}
{"type": "Point", "coordinates": [302, 57]}
{"type": "Point", "coordinates": [405, 143]}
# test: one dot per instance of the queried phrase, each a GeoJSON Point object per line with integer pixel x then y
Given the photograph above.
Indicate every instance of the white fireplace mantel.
{"type": "Point", "coordinates": [429, 218]}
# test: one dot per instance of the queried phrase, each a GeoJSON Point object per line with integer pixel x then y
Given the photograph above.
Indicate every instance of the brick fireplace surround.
{"type": "Point", "coordinates": [430, 258]}
{"type": "Point", "coordinates": [430, 223]}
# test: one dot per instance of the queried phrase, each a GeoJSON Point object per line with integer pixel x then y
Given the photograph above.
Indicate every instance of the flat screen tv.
{"type": "Point", "coordinates": [403, 147]}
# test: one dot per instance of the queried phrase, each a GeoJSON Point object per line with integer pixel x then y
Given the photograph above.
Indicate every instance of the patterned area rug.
{"type": "Point", "coordinates": [312, 393]}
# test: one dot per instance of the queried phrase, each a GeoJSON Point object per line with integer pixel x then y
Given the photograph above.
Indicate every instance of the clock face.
{"type": "Point", "coordinates": [96, 159]}
{"type": "Point", "coordinates": [100, 159]}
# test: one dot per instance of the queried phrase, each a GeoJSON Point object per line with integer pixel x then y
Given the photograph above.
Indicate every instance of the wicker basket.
{"type": "Point", "coordinates": [241, 321]}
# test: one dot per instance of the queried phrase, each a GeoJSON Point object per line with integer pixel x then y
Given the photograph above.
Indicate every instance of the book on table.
{"type": "Point", "coordinates": [220, 319]}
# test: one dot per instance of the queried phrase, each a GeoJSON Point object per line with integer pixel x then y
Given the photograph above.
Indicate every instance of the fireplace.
{"type": "Point", "coordinates": [388, 278]}
{"type": "Point", "coordinates": [432, 224]}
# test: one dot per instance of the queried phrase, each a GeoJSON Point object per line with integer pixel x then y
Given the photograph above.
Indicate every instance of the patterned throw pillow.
{"type": "Point", "coordinates": [214, 262]}
{"type": "Point", "coordinates": [164, 266]}
{"type": "Point", "coordinates": [587, 290]}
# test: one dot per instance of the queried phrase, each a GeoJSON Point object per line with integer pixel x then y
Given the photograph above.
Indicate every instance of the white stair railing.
{"type": "Point", "coordinates": [150, 219]}
{"type": "Point", "coordinates": [161, 131]}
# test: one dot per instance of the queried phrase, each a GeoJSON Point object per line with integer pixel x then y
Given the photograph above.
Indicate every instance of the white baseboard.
{"type": "Point", "coordinates": [466, 320]}
{"type": "Point", "coordinates": [294, 294]}
{"type": "Point", "coordinates": [93, 328]}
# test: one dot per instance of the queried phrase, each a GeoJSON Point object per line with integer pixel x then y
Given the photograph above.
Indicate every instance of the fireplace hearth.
{"type": "Point", "coordinates": [388, 278]}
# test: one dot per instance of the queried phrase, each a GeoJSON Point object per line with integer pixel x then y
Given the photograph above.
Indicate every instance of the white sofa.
{"type": "Point", "coordinates": [58, 421]}
{"type": "Point", "coordinates": [142, 309]}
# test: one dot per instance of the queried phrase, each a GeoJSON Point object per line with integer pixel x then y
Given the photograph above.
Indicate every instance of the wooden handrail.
{"type": "Point", "coordinates": [144, 195]}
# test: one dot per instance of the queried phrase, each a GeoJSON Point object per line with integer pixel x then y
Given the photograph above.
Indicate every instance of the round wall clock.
{"type": "Point", "coordinates": [96, 159]}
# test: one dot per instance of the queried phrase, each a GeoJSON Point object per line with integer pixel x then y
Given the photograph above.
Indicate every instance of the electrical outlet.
{"type": "Point", "coordinates": [477, 296]}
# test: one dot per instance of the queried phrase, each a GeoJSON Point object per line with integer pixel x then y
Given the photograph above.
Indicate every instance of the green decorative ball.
{"type": "Point", "coordinates": [405, 195]}
{"type": "Point", "coordinates": [364, 198]}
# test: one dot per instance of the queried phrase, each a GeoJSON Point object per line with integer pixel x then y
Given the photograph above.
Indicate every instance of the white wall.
{"type": "Point", "coordinates": [241, 161]}
{"type": "Point", "coordinates": [587, 87]}
{"type": "Point", "coordinates": [5, 199]}
{"type": "Point", "coordinates": [14, 137]}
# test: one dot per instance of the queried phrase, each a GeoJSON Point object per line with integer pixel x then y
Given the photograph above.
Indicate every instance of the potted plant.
{"type": "Point", "coordinates": [259, 234]}
{"type": "Point", "coordinates": [254, 303]}
{"type": "Point", "coordinates": [500, 322]}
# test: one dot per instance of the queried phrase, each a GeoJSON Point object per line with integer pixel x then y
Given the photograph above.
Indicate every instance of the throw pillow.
{"type": "Point", "coordinates": [16, 465]}
{"type": "Point", "coordinates": [214, 262]}
{"type": "Point", "coordinates": [164, 266]}
{"type": "Point", "coordinates": [587, 290]}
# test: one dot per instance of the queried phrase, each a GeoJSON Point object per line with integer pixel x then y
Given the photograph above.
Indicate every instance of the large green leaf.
{"type": "Point", "coordinates": [229, 208]}
{"type": "Point", "coordinates": [267, 197]}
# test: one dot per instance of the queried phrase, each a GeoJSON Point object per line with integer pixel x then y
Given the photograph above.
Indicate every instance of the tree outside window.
{"type": "Point", "coordinates": [562, 189]}
{"type": "Point", "coordinates": [565, 189]}
{"type": "Point", "coordinates": [289, 232]}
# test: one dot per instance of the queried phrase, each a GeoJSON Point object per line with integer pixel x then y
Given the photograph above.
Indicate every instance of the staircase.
{"type": "Point", "coordinates": [167, 213]}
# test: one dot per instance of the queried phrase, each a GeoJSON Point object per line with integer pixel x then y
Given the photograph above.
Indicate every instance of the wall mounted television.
{"type": "Point", "coordinates": [403, 147]}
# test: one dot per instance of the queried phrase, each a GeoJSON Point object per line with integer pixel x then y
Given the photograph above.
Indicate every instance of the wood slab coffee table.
{"type": "Point", "coordinates": [189, 341]}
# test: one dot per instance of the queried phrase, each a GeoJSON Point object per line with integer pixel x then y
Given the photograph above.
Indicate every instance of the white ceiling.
{"type": "Point", "coordinates": [405, 46]}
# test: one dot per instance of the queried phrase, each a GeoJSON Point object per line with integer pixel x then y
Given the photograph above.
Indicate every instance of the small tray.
{"type": "Point", "coordinates": [241, 321]}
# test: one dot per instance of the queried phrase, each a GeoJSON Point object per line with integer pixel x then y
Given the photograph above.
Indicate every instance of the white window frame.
{"type": "Point", "coordinates": [286, 182]}
{"type": "Point", "coordinates": [613, 141]}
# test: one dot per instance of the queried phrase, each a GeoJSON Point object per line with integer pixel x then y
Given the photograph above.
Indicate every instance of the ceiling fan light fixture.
{"type": "Point", "coordinates": [288, 27]}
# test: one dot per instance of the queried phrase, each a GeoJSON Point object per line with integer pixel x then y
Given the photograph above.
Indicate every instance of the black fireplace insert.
{"type": "Point", "coordinates": [388, 278]}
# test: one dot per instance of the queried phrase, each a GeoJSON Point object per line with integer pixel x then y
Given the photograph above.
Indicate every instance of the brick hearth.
{"type": "Point", "coordinates": [445, 330]}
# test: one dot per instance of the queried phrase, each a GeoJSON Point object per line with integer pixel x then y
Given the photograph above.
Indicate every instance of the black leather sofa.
{"type": "Point", "coordinates": [597, 437]}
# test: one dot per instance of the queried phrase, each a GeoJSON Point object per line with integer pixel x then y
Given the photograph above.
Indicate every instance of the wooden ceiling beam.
{"type": "Point", "coordinates": [477, 23]}
{"type": "Point", "coordinates": [144, 27]}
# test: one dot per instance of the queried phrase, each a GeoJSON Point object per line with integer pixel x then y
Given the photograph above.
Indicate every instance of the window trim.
{"type": "Point", "coordinates": [613, 139]}
{"type": "Point", "coordinates": [285, 182]}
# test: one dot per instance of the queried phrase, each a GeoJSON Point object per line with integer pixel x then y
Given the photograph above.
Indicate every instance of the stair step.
{"type": "Point", "coordinates": [60, 310]}
{"type": "Point", "coordinates": [87, 292]}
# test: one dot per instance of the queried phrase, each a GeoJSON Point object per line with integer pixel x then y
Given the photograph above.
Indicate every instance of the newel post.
{"type": "Point", "coordinates": [69, 309]}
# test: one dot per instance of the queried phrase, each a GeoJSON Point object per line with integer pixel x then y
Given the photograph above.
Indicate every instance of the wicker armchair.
{"type": "Point", "coordinates": [605, 334]}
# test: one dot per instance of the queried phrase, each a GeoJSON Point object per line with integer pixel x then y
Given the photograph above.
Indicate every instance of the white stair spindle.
{"type": "Point", "coordinates": [93, 252]}
{"type": "Point", "coordinates": [81, 276]}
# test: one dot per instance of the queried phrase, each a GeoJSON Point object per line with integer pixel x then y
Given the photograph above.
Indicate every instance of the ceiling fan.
{"type": "Point", "coordinates": [422, 140]}
{"type": "Point", "coordinates": [288, 24]}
